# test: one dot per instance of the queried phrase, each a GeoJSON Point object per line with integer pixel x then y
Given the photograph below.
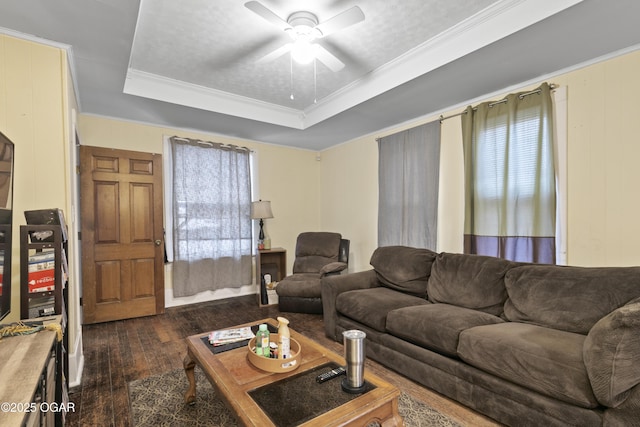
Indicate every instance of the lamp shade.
{"type": "Point", "coordinates": [261, 209]}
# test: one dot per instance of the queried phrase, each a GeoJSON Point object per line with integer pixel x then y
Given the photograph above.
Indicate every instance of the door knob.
{"type": "Point", "coordinates": [158, 242]}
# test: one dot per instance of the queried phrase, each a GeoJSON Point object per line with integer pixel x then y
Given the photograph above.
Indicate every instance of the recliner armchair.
{"type": "Point", "coordinates": [318, 254]}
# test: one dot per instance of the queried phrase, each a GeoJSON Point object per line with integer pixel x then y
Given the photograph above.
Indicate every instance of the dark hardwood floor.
{"type": "Point", "coordinates": [122, 351]}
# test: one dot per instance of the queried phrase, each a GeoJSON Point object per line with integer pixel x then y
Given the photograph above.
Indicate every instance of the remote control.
{"type": "Point", "coordinates": [331, 374]}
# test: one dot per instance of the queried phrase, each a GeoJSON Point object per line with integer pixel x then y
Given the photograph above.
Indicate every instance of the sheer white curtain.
{"type": "Point", "coordinates": [408, 178]}
{"type": "Point", "coordinates": [211, 216]}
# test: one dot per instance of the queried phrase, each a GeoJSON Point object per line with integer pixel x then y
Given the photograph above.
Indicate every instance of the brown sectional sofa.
{"type": "Point", "coordinates": [524, 344]}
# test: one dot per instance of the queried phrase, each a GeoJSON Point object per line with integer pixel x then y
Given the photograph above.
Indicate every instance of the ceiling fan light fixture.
{"type": "Point", "coordinates": [303, 51]}
{"type": "Point", "coordinates": [304, 28]}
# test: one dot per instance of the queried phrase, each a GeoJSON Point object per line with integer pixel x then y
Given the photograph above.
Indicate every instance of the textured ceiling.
{"type": "Point", "coordinates": [207, 54]}
{"type": "Point", "coordinates": [192, 64]}
{"type": "Point", "coordinates": [216, 44]}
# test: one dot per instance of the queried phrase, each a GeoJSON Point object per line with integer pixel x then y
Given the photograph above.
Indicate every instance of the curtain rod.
{"type": "Point", "coordinates": [501, 101]}
{"type": "Point", "coordinates": [211, 144]}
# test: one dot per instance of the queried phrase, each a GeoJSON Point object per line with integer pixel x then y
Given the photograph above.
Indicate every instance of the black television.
{"type": "Point", "coordinates": [6, 219]}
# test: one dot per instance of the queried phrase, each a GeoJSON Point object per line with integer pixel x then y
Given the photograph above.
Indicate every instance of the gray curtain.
{"type": "Point", "coordinates": [510, 197]}
{"type": "Point", "coordinates": [408, 179]}
{"type": "Point", "coordinates": [211, 216]}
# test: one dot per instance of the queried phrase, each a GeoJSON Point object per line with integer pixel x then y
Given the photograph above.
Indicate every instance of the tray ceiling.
{"type": "Point", "coordinates": [206, 55]}
{"type": "Point", "coordinates": [193, 64]}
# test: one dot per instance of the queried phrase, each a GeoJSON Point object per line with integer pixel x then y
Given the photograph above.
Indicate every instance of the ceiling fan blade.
{"type": "Point", "coordinates": [327, 58]}
{"type": "Point", "coordinates": [275, 54]}
{"type": "Point", "coordinates": [267, 14]}
{"type": "Point", "coordinates": [340, 21]}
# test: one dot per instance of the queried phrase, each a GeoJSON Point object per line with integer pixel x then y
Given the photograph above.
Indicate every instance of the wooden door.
{"type": "Point", "coordinates": [122, 234]}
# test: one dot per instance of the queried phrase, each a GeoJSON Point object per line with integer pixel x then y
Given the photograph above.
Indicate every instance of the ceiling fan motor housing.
{"type": "Point", "coordinates": [303, 25]}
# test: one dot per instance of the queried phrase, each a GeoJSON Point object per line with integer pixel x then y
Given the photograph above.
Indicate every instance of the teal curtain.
{"type": "Point", "coordinates": [510, 187]}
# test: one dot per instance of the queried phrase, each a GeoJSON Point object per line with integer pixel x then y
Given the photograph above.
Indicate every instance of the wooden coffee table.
{"type": "Point", "coordinates": [240, 384]}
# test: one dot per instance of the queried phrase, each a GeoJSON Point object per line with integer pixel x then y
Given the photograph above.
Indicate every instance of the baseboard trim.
{"type": "Point", "coordinates": [170, 301]}
{"type": "Point", "coordinates": [76, 363]}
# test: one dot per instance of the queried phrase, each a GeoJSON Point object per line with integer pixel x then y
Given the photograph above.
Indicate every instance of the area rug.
{"type": "Point", "coordinates": [159, 401]}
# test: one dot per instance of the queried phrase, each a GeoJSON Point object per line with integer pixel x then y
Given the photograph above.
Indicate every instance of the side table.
{"type": "Point", "coordinates": [270, 261]}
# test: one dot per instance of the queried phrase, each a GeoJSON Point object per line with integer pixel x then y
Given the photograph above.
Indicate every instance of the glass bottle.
{"type": "Point", "coordinates": [284, 339]}
{"type": "Point", "coordinates": [262, 341]}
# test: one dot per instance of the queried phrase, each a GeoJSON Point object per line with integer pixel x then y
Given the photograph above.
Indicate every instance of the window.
{"type": "Point", "coordinates": [510, 189]}
{"type": "Point", "coordinates": [210, 218]}
{"type": "Point", "coordinates": [408, 179]}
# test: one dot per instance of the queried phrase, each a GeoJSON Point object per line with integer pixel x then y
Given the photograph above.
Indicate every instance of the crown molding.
{"type": "Point", "coordinates": [490, 25]}
{"type": "Point", "coordinates": [149, 85]}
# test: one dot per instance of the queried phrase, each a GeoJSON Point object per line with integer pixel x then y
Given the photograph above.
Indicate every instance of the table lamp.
{"type": "Point", "coordinates": [261, 210]}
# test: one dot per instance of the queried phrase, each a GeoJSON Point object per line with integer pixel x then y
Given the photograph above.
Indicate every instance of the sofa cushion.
{"type": "Point", "coordinates": [436, 326]}
{"type": "Point", "coordinates": [610, 354]}
{"type": "Point", "coordinates": [470, 281]}
{"type": "Point", "coordinates": [403, 268]}
{"type": "Point", "coordinates": [304, 285]}
{"type": "Point", "coordinates": [571, 299]}
{"type": "Point", "coordinates": [370, 306]}
{"type": "Point", "coordinates": [542, 359]}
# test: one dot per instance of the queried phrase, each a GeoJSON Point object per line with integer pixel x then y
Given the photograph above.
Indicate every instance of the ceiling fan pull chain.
{"type": "Point", "coordinates": [315, 81]}
{"type": "Point", "coordinates": [291, 79]}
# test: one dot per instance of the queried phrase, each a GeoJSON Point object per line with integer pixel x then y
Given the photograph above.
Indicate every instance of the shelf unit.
{"type": "Point", "coordinates": [37, 304]}
{"type": "Point", "coordinates": [269, 261]}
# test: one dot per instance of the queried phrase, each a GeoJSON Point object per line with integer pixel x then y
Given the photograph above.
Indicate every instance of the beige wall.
{"type": "Point", "coordinates": [604, 153]}
{"type": "Point", "coordinates": [336, 190]}
{"type": "Point", "coordinates": [349, 180]}
{"type": "Point", "coordinates": [603, 172]}
{"type": "Point", "coordinates": [32, 115]}
{"type": "Point", "coordinates": [349, 197]}
{"type": "Point", "coordinates": [288, 177]}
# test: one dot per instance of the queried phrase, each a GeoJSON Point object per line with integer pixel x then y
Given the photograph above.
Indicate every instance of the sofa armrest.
{"type": "Point", "coordinates": [332, 286]}
{"type": "Point", "coordinates": [611, 351]}
{"type": "Point", "coordinates": [333, 268]}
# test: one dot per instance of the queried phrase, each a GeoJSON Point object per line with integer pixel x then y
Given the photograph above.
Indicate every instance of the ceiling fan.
{"type": "Point", "coordinates": [304, 29]}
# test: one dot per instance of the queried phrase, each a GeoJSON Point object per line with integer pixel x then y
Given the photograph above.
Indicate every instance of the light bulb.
{"type": "Point", "coordinates": [302, 51]}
